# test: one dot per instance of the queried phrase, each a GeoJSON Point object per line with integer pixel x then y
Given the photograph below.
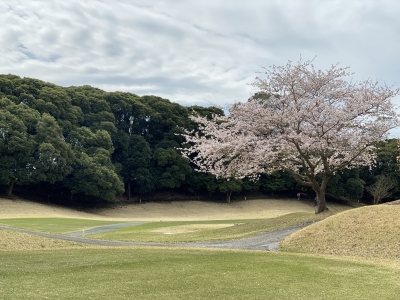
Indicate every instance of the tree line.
{"type": "Point", "coordinates": [85, 142]}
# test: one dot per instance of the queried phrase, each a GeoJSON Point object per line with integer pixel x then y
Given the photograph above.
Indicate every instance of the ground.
{"type": "Point", "coordinates": [167, 211]}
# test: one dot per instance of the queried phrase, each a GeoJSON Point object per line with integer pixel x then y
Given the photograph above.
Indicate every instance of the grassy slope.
{"type": "Point", "coordinates": [16, 241]}
{"type": "Point", "coordinates": [149, 273]}
{"type": "Point", "coordinates": [372, 231]}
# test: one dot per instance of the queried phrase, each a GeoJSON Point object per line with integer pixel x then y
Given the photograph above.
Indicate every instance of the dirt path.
{"type": "Point", "coordinates": [268, 241]}
{"type": "Point", "coordinates": [101, 229]}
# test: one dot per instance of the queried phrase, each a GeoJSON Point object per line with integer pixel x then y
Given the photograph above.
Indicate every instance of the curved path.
{"type": "Point", "coordinates": [105, 228]}
{"type": "Point", "coordinates": [268, 241]}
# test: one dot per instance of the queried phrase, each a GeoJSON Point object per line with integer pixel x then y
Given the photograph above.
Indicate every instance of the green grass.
{"type": "Point", "coordinates": [148, 231]}
{"type": "Point", "coordinates": [163, 273]}
{"type": "Point", "coordinates": [181, 273]}
{"type": "Point", "coordinates": [238, 229]}
{"type": "Point", "coordinates": [54, 225]}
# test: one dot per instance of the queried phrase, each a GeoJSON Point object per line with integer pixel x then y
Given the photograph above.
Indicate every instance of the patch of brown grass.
{"type": "Point", "coordinates": [191, 228]}
{"type": "Point", "coordinates": [21, 208]}
{"type": "Point", "coordinates": [11, 240]}
{"type": "Point", "coordinates": [156, 211]}
{"type": "Point", "coordinates": [372, 231]}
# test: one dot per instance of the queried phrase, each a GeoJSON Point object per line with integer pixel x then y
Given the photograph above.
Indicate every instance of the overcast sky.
{"type": "Point", "coordinates": [194, 52]}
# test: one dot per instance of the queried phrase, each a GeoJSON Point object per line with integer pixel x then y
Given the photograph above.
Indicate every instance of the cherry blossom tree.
{"type": "Point", "coordinates": [306, 122]}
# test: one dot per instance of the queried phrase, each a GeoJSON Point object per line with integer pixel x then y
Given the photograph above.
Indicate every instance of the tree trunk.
{"type": "Point", "coordinates": [320, 192]}
{"type": "Point", "coordinates": [318, 189]}
{"type": "Point", "coordinates": [228, 196]}
{"type": "Point", "coordinates": [321, 203]}
{"type": "Point", "coordinates": [11, 187]}
{"type": "Point", "coordinates": [129, 190]}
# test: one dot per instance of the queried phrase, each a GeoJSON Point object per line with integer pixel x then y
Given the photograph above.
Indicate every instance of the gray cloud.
{"type": "Point", "coordinates": [194, 52]}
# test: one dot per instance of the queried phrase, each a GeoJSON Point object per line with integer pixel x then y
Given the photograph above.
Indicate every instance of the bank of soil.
{"type": "Point", "coordinates": [160, 211]}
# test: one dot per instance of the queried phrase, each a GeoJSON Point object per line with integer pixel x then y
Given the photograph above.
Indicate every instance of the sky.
{"type": "Point", "coordinates": [195, 52]}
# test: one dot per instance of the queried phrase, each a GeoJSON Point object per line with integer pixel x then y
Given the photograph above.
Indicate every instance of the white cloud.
{"type": "Point", "coordinates": [194, 52]}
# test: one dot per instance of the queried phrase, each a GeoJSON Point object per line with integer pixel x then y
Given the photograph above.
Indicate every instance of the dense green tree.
{"type": "Point", "coordinates": [230, 185]}
{"type": "Point", "coordinates": [133, 154]}
{"type": "Point", "coordinates": [277, 182]}
{"type": "Point", "coordinates": [354, 188]}
{"type": "Point", "coordinates": [93, 142]}
{"type": "Point", "coordinates": [211, 183]}
{"type": "Point", "coordinates": [346, 184]}
{"type": "Point", "coordinates": [53, 156]}
{"type": "Point", "coordinates": [205, 111]}
{"type": "Point", "coordinates": [385, 165]}
{"type": "Point", "coordinates": [164, 120]}
{"type": "Point", "coordinates": [170, 169]}
{"type": "Point", "coordinates": [17, 144]}
{"type": "Point", "coordinates": [93, 172]}
{"type": "Point", "coordinates": [7, 84]}
{"type": "Point", "coordinates": [94, 175]}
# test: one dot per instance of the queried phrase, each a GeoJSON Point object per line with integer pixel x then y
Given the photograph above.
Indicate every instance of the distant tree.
{"type": "Point", "coordinates": [92, 170]}
{"type": "Point", "coordinates": [67, 136]}
{"type": "Point", "coordinates": [381, 188]}
{"type": "Point", "coordinates": [277, 182]}
{"type": "Point", "coordinates": [134, 155]}
{"type": "Point", "coordinates": [94, 175]}
{"type": "Point", "coordinates": [346, 184]}
{"type": "Point", "coordinates": [17, 143]}
{"type": "Point", "coordinates": [385, 163]}
{"type": "Point", "coordinates": [230, 185]}
{"type": "Point", "coordinates": [53, 156]}
{"type": "Point", "coordinates": [170, 169]}
{"type": "Point", "coordinates": [313, 124]}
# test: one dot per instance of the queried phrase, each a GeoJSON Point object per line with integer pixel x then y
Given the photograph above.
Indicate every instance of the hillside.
{"type": "Point", "coordinates": [371, 231]}
{"type": "Point", "coordinates": [166, 211]}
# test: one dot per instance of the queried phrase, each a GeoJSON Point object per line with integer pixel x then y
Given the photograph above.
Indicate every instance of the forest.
{"type": "Point", "coordinates": [81, 144]}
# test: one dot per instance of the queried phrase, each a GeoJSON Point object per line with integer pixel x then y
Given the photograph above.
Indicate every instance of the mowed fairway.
{"type": "Point", "coordinates": [146, 273]}
{"type": "Point", "coordinates": [42, 268]}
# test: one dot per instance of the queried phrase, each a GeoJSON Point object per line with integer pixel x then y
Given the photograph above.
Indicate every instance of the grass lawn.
{"type": "Point", "coordinates": [180, 231]}
{"type": "Point", "coordinates": [34, 267]}
{"type": "Point", "coordinates": [148, 273]}
{"type": "Point", "coordinates": [190, 231]}
{"type": "Point", "coordinates": [54, 225]}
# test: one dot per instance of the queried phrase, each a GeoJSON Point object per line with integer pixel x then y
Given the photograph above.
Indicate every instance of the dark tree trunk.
{"type": "Point", "coordinates": [129, 190]}
{"type": "Point", "coordinates": [11, 187]}
{"type": "Point", "coordinates": [228, 196]}
{"type": "Point", "coordinates": [321, 203]}
{"type": "Point", "coordinates": [320, 192]}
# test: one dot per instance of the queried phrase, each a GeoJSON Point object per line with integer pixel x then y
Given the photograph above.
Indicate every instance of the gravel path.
{"type": "Point", "coordinates": [104, 228]}
{"type": "Point", "coordinates": [268, 241]}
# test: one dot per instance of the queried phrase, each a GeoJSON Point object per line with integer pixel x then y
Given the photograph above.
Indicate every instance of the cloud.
{"type": "Point", "coordinates": [194, 52]}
